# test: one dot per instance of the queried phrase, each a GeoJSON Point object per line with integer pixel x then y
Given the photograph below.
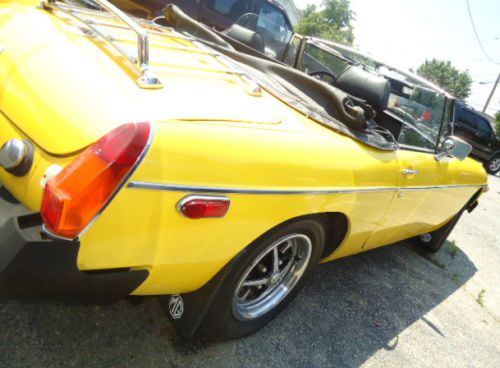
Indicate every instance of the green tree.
{"type": "Point", "coordinates": [445, 75]}
{"type": "Point", "coordinates": [333, 21]}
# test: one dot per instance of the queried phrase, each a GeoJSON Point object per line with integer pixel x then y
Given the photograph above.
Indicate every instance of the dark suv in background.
{"type": "Point", "coordinates": [476, 129]}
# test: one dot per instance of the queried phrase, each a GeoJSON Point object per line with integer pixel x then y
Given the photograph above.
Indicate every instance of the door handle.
{"type": "Point", "coordinates": [410, 172]}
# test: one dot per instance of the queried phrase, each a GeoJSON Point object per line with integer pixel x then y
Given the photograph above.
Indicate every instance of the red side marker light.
{"type": "Point", "coordinates": [197, 207]}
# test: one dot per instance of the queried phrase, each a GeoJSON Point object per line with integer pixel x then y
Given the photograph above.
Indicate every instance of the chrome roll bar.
{"type": "Point", "coordinates": [147, 78]}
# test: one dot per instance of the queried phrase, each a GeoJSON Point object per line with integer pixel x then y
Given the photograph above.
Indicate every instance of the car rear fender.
{"type": "Point", "coordinates": [26, 186]}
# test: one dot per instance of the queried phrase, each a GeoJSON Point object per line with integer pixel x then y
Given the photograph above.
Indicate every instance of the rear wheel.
{"type": "Point", "coordinates": [492, 166]}
{"type": "Point", "coordinates": [265, 278]}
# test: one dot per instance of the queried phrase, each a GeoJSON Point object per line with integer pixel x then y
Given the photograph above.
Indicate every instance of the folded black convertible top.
{"type": "Point", "coordinates": [321, 102]}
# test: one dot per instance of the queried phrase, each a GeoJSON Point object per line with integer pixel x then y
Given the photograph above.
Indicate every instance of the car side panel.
{"type": "Point", "coordinates": [142, 228]}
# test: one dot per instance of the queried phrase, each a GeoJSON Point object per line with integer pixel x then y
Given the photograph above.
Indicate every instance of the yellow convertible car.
{"type": "Point", "coordinates": [156, 158]}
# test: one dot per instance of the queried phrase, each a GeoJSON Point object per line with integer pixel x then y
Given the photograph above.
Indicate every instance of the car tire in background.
{"type": "Point", "coordinates": [266, 276]}
{"type": "Point", "coordinates": [492, 166]}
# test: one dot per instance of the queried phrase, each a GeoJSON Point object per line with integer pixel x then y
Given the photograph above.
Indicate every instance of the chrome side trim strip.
{"type": "Point", "coordinates": [439, 187]}
{"type": "Point", "coordinates": [203, 189]}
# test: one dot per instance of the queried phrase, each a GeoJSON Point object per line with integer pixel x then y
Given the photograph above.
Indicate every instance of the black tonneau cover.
{"type": "Point", "coordinates": [322, 102]}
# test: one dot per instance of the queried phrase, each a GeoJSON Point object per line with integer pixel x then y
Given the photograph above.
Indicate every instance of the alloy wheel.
{"type": "Point", "coordinates": [495, 164]}
{"type": "Point", "coordinates": [271, 277]}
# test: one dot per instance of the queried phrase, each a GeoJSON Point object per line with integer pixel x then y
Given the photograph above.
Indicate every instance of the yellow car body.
{"type": "Point", "coordinates": [63, 89]}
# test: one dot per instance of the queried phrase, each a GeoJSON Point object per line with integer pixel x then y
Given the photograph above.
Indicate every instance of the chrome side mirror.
{"type": "Point", "coordinates": [454, 147]}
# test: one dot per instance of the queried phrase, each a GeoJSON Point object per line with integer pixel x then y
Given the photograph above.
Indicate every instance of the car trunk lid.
{"type": "Point", "coordinates": [64, 89]}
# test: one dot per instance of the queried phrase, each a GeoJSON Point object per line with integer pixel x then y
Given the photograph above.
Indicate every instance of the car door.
{"type": "Point", "coordinates": [425, 197]}
{"type": "Point", "coordinates": [420, 202]}
{"type": "Point", "coordinates": [221, 14]}
{"type": "Point", "coordinates": [426, 190]}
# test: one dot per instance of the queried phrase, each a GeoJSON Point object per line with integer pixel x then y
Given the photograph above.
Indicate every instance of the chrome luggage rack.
{"type": "Point", "coordinates": [147, 79]}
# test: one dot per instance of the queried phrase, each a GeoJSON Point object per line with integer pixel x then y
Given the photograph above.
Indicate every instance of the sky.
{"type": "Point", "coordinates": [404, 33]}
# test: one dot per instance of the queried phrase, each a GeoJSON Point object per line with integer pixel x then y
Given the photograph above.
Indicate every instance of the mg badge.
{"type": "Point", "coordinates": [176, 306]}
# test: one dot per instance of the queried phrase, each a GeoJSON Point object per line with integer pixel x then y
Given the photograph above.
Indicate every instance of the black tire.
{"type": "Point", "coordinates": [220, 322]}
{"type": "Point", "coordinates": [492, 165]}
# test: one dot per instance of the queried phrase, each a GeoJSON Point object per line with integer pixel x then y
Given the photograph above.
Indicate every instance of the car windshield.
{"type": "Point", "coordinates": [317, 59]}
{"type": "Point", "coordinates": [360, 60]}
{"type": "Point", "coordinates": [422, 110]}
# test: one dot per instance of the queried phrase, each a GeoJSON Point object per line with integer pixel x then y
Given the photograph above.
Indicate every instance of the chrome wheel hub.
{"type": "Point", "coordinates": [271, 277]}
{"type": "Point", "coordinates": [495, 164]}
{"type": "Point", "coordinates": [426, 238]}
{"type": "Point", "coordinates": [275, 280]}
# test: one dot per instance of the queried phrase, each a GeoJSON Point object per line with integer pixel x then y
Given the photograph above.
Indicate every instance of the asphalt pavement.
{"type": "Point", "coordinates": [391, 307]}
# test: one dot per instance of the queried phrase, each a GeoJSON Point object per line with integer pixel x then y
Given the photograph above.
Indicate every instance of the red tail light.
{"type": "Point", "coordinates": [76, 195]}
{"type": "Point", "coordinates": [196, 207]}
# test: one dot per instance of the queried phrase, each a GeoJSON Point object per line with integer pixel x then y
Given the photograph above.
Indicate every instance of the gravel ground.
{"type": "Point", "coordinates": [393, 306]}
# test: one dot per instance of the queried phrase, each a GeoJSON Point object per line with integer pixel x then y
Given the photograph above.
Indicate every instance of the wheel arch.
{"type": "Point", "coordinates": [495, 153]}
{"type": "Point", "coordinates": [334, 224]}
{"type": "Point", "coordinates": [197, 303]}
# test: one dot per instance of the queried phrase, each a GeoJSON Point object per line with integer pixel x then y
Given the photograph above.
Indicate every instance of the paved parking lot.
{"type": "Point", "coordinates": [394, 306]}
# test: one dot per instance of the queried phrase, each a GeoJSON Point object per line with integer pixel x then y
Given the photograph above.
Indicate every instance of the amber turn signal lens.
{"type": "Point", "coordinates": [198, 207]}
{"type": "Point", "coordinates": [74, 197]}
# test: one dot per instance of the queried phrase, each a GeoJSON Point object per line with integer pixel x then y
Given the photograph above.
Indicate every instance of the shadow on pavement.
{"type": "Point", "coordinates": [350, 309]}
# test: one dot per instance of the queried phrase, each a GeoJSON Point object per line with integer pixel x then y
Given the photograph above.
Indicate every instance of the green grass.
{"type": "Point", "coordinates": [480, 296]}
{"type": "Point", "coordinates": [456, 278]}
{"type": "Point", "coordinates": [437, 263]}
{"type": "Point", "coordinates": [452, 248]}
